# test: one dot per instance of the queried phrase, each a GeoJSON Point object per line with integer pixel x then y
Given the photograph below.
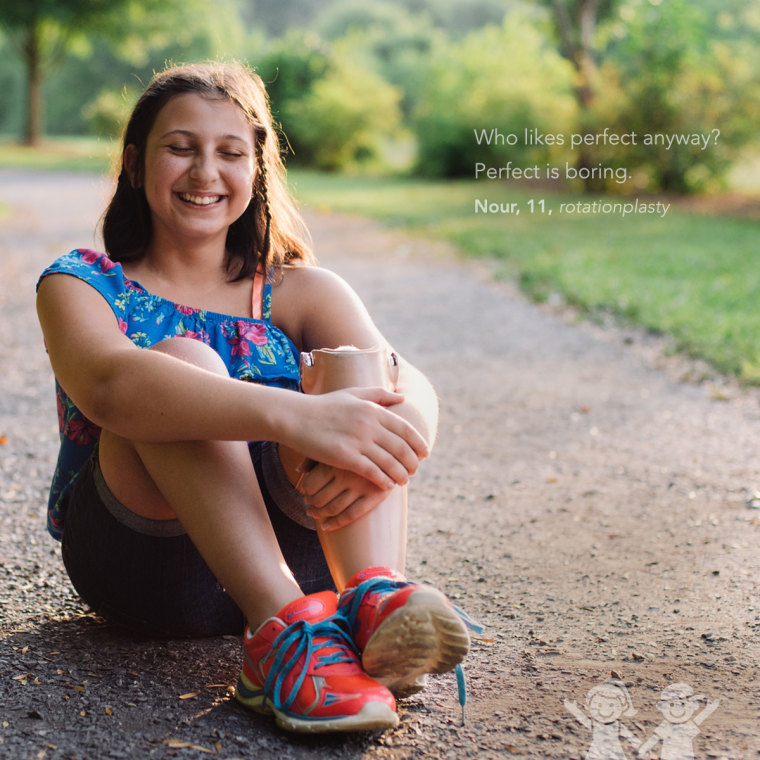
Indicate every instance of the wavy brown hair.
{"type": "Point", "coordinates": [270, 232]}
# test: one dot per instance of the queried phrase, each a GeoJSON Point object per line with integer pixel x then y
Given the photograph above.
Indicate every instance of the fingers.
{"type": "Point", "coordinates": [408, 433]}
{"type": "Point", "coordinates": [396, 460]}
{"type": "Point", "coordinates": [331, 490]}
{"type": "Point", "coordinates": [316, 479]}
{"type": "Point", "coordinates": [377, 395]}
{"type": "Point", "coordinates": [321, 510]}
{"type": "Point", "coordinates": [366, 438]}
{"type": "Point", "coordinates": [326, 495]}
{"type": "Point", "coordinates": [367, 469]}
{"type": "Point", "coordinates": [347, 510]}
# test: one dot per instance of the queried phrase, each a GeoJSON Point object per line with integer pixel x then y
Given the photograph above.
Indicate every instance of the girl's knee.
{"type": "Point", "coordinates": [193, 352]}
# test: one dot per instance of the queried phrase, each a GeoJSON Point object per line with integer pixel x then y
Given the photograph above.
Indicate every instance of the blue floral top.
{"type": "Point", "coordinates": [253, 350]}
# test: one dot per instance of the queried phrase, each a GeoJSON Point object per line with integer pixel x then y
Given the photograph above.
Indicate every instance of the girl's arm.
{"type": "Point", "coordinates": [148, 395]}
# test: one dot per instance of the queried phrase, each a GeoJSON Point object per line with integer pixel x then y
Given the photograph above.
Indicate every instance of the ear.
{"type": "Point", "coordinates": [129, 161]}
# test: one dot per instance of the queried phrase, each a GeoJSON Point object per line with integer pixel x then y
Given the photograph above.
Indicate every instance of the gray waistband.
{"type": "Point", "coordinates": [280, 488]}
{"type": "Point", "coordinates": [138, 523]}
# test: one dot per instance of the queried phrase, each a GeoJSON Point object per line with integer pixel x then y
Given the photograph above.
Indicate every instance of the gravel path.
{"type": "Point", "coordinates": [589, 505]}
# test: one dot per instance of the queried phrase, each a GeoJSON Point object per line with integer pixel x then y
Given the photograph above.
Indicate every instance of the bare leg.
{"type": "Point", "coordinates": [378, 539]}
{"type": "Point", "coordinates": [211, 487]}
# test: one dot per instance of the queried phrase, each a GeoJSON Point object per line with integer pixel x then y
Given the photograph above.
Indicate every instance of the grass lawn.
{"type": "Point", "coordinates": [695, 277]}
{"type": "Point", "coordinates": [62, 153]}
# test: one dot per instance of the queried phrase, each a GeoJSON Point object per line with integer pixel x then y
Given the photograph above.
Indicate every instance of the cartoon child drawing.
{"type": "Point", "coordinates": [605, 704]}
{"type": "Point", "coordinates": [678, 703]}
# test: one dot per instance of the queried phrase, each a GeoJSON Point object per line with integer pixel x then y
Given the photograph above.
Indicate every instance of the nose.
{"type": "Point", "coordinates": [204, 167]}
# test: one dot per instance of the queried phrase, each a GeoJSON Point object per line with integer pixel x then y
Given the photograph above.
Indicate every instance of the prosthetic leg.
{"type": "Point", "coordinates": [379, 537]}
{"type": "Point", "coordinates": [403, 630]}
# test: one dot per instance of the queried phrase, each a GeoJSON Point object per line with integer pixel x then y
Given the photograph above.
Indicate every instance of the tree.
{"type": "Point", "coordinates": [575, 24]}
{"type": "Point", "coordinates": [41, 30]}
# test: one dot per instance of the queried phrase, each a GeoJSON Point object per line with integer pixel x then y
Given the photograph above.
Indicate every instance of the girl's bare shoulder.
{"type": "Point", "coordinates": [309, 284]}
{"type": "Point", "coordinates": [309, 299]}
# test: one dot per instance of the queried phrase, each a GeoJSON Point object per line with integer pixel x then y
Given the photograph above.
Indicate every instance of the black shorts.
{"type": "Point", "coordinates": [147, 574]}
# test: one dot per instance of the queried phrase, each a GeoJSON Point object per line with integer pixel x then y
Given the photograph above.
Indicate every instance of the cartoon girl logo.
{"type": "Point", "coordinates": [605, 704]}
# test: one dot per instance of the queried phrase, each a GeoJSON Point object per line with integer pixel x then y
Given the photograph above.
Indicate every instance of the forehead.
{"type": "Point", "coordinates": [201, 115]}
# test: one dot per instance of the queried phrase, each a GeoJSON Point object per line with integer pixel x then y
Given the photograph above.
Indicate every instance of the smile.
{"type": "Point", "coordinates": [200, 200]}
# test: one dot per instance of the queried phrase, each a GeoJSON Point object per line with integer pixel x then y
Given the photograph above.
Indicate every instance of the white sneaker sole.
{"type": "Point", "coordinates": [374, 716]}
{"type": "Point", "coordinates": [426, 635]}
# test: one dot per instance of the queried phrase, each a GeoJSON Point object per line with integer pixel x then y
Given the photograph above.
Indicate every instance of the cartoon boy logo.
{"type": "Point", "coordinates": [605, 704]}
{"type": "Point", "coordinates": [678, 703]}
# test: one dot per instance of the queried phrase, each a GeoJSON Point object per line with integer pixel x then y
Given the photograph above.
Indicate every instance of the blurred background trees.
{"type": "Point", "coordinates": [401, 85]}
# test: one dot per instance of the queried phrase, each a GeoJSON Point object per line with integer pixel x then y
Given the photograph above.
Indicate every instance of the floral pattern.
{"type": "Point", "coordinates": [253, 350]}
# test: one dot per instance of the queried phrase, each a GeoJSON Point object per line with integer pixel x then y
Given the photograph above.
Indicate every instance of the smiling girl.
{"type": "Point", "coordinates": [176, 358]}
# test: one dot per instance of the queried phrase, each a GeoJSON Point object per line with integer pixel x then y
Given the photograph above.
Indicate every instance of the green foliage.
{"type": "Point", "coordinates": [277, 17]}
{"type": "Point", "coordinates": [290, 67]}
{"type": "Point", "coordinates": [456, 17]}
{"type": "Point", "coordinates": [108, 113]}
{"type": "Point", "coordinates": [386, 38]}
{"type": "Point", "coordinates": [345, 16]}
{"type": "Point", "coordinates": [12, 87]}
{"type": "Point", "coordinates": [507, 78]}
{"type": "Point", "coordinates": [344, 117]}
{"type": "Point", "coordinates": [670, 72]}
{"type": "Point", "coordinates": [66, 14]}
{"type": "Point", "coordinates": [334, 110]}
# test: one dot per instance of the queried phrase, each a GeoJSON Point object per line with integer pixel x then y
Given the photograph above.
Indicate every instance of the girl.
{"type": "Point", "coordinates": [176, 361]}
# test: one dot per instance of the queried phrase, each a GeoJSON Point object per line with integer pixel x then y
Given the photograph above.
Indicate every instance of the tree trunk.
{"type": "Point", "coordinates": [576, 30]}
{"type": "Point", "coordinates": [33, 62]}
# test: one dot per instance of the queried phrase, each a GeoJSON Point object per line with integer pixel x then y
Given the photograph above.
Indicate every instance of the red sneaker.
{"type": "Point", "coordinates": [402, 629]}
{"type": "Point", "coordinates": [302, 666]}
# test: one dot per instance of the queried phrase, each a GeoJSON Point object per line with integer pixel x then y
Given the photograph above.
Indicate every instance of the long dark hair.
{"type": "Point", "coordinates": [270, 232]}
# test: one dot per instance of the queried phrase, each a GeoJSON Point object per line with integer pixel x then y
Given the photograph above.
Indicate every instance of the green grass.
{"type": "Point", "coordinates": [58, 153]}
{"type": "Point", "coordinates": [696, 278]}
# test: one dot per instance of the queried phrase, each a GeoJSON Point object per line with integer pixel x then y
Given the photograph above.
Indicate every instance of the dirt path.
{"type": "Point", "coordinates": [583, 503]}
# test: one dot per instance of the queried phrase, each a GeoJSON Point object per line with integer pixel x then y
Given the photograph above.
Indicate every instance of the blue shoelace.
{"type": "Point", "coordinates": [459, 670]}
{"type": "Point", "coordinates": [302, 635]}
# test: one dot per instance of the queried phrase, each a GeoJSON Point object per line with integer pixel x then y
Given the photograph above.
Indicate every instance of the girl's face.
{"type": "Point", "coordinates": [199, 168]}
{"type": "Point", "coordinates": [605, 708]}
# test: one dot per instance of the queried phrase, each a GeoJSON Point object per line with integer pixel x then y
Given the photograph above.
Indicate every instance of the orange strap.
{"type": "Point", "coordinates": [256, 294]}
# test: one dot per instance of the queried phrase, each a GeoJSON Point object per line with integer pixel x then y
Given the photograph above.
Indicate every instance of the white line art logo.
{"type": "Point", "coordinates": [606, 704]}
{"type": "Point", "coordinates": [678, 703]}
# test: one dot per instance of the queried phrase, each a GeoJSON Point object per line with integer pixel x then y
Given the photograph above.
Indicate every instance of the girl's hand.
{"type": "Point", "coordinates": [352, 430]}
{"type": "Point", "coordinates": [338, 497]}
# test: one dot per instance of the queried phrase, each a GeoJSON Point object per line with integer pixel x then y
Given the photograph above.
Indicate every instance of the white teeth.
{"type": "Point", "coordinates": [200, 200]}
